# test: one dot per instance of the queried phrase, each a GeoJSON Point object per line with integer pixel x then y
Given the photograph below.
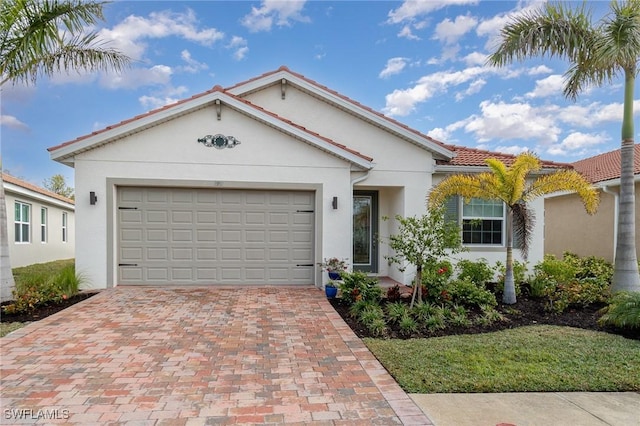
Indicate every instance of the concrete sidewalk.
{"type": "Point", "coordinates": [532, 409]}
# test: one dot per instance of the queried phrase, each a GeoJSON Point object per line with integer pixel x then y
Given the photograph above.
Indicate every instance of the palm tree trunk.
{"type": "Point", "coordinates": [7, 283]}
{"type": "Point", "coordinates": [625, 273]}
{"type": "Point", "coordinates": [509, 292]}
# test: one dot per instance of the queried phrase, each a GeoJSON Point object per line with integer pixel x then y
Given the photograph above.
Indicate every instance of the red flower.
{"type": "Point", "coordinates": [442, 271]}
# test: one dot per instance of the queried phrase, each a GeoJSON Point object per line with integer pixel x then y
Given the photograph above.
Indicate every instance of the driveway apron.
{"type": "Point", "coordinates": [150, 355]}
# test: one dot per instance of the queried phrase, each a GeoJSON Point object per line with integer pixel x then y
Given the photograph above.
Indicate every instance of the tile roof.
{"type": "Point", "coordinates": [21, 183]}
{"type": "Point", "coordinates": [476, 157]}
{"type": "Point", "coordinates": [605, 166]}
{"type": "Point", "coordinates": [216, 88]}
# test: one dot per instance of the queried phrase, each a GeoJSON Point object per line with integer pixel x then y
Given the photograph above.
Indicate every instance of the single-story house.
{"type": "Point", "coordinates": [256, 184]}
{"type": "Point", "coordinates": [570, 228]}
{"type": "Point", "coordinates": [41, 224]}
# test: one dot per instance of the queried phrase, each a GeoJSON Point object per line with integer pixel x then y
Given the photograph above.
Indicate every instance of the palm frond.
{"type": "Point", "coordinates": [524, 164]}
{"type": "Point", "coordinates": [41, 37]}
{"type": "Point", "coordinates": [483, 185]}
{"type": "Point", "coordinates": [565, 180]}
{"type": "Point", "coordinates": [524, 222]}
{"type": "Point", "coordinates": [554, 31]}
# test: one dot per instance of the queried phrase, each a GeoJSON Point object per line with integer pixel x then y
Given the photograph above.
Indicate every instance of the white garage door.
{"type": "Point", "coordinates": [214, 236]}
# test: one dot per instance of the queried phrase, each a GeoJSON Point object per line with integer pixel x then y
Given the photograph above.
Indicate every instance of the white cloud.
{"type": "Point", "coordinates": [394, 66]}
{"type": "Point", "coordinates": [128, 35]}
{"type": "Point", "coordinates": [594, 114]}
{"type": "Point", "coordinates": [166, 96]}
{"type": "Point", "coordinates": [280, 12]}
{"type": "Point", "coordinates": [239, 46]}
{"type": "Point", "coordinates": [512, 149]}
{"type": "Point", "coordinates": [475, 58]}
{"type": "Point", "coordinates": [578, 143]}
{"type": "Point", "coordinates": [541, 69]}
{"type": "Point", "coordinates": [449, 32]}
{"type": "Point", "coordinates": [440, 134]}
{"type": "Point", "coordinates": [412, 9]}
{"type": "Point", "coordinates": [550, 86]}
{"type": "Point", "coordinates": [403, 102]}
{"type": "Point", "coordinates": [137, 77]}
{"type": "Point", "coordinates": [473, 88]}
{"type": "Point", "coordinates": [192, 66]}
{"type": "Point", "coordinates": [407, 33]}
{"type": "Point", "coordinates": [12, 122]}
{"type": "Point", "coordinates": [491, 28]}
{"type": "Point", "coordinates": [508, 121]}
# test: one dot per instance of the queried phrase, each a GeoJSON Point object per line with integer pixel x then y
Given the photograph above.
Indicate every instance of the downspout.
{"type": "Point", "coordinates": [615, 217]}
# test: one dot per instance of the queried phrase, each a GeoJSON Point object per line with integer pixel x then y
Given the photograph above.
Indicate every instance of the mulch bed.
{"type": "Point", "coordinates": [527, 311]}
{"type": "Point", "coordinates": [40, 312]}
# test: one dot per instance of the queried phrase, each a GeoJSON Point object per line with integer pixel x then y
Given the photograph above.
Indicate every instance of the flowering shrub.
{"type": "Point", "coordinates": [334, 264]}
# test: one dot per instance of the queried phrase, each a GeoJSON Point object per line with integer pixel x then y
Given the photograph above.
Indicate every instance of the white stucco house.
{"type": "Point", "coordinates": [257, 183]}
{"type": "Point", "coordinates": [40, 225]}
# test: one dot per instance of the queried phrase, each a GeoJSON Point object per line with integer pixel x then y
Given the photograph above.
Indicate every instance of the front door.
{"type": "Point", "coordinates": [365, 231]}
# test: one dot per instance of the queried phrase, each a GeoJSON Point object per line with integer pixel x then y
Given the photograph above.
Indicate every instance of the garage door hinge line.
{"type": "Point", "coordinates": [127, 208]}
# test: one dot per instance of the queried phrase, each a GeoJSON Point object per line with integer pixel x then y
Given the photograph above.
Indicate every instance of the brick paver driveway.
{"type": "Point", "coordinates": [148, 355]}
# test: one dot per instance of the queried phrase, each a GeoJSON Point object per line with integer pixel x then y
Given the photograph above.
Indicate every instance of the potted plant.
{"type": "Point", "coordinates": [334, 266]}
{"type": "Point", "coordinates": [330, 289]}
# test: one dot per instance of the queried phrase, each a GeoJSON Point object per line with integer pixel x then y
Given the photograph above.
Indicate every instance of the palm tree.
{"type": "Point", "coordinates": [597, 54]}
{"type": "Point", "coordinates": [515, 188]}
{"type": "Point", "coordinates": [41, 38]}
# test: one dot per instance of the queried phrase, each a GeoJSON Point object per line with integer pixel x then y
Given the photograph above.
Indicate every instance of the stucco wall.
{"type": "Point", "coordinates": [569, 228]}
{"type": "Point", "coordinates": [36, 251]}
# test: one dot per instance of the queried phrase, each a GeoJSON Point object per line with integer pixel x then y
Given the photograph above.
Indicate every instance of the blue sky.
{"type": "Point", "coordinates": [422, 63]}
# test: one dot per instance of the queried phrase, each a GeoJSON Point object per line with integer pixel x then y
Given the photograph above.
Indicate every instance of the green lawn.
{"type": "Point", "coordinates": [8, 327]}
{"type": "Point", "coordinates": [525, 359]}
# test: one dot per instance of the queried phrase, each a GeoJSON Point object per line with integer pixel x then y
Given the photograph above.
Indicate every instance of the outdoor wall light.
{"type": "Point", "coordinates": [334, 203]}
{"type": "Point", "coordinates": [93, 198]}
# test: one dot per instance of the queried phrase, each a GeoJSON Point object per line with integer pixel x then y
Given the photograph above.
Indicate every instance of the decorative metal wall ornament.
{"type": "Point", "coordinates": [219, 141]}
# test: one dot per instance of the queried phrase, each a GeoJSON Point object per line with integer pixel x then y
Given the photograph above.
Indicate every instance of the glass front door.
{"type": "Point", "coordinates": [365, 231]}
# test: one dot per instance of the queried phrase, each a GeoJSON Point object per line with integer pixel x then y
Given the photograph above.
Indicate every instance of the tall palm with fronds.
{"type": "Point", "coordinates": [41, 38]}
{"type": "Point", "coordinates": [515, 186]}
{"type": "Point", "coordinates": [597, 54]}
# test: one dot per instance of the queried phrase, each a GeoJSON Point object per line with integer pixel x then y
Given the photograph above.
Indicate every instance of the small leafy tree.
{"type": "Point", "coordinates": [58, 185]}
{"type": "Point", "coordinates": [423, 241]}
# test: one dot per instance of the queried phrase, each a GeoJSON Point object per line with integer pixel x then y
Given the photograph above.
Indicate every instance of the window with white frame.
{"type": "Point", "coordinates": [22, 222]}
{"type": "Point", "coordinates": [43, 224]}
{"type": "Point", "coordinates": [64, 227]}
{"type": "Point", "coordinates": [483, 222]}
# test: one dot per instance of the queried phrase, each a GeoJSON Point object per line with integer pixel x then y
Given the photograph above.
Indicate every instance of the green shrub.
{"type": "Point", "coordinates": [519, 275]}
{"type": "Point", "coordinates": [479, 271]}
{"type": "Point", "coordinates": [396, 311]}
{"type": "Point", "coordinates": [435, 322]}
{"type": "Point", "coordinates": [465, 292]}
{"type": "Point", "coordinates": [357, 286]}
{"type": "Point", "coordinates": [407, 325]}
{"type": "Point", "coordinates": [372, 317]}
{"type": "Point", "coordinates": [571, 281]}
{"type": "Point", "coordinates": [421, 311]}
{"type": "Point", "coordinates": [43, 284]}
{"type": "Point", "coordinates": [623, 311]}
{"type": "Point", "coordinates": [434, 281]}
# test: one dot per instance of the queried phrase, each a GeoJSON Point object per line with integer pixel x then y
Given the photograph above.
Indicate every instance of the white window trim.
{"type": "Point", "coordinates": [44, 225]}
{"type": "Point", "coordinates": [463, 218]}
{"type": "Point", "coordinates": [28, 223]}
{"type": "Point", "coordinates": [65, 227]}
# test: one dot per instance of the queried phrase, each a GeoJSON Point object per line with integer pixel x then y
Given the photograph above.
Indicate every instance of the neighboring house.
{"type": "Point", "coordinates": [41, 224]}
{"type": "Point", "coordinates": [569, 228]}
{"type": "Point", "coordinates": [256, 184]}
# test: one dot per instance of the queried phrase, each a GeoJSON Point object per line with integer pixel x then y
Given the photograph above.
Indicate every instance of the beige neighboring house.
{"type": "Point", "coordinates": [41, 223]}
{"type": "Point", "coordinates": [257, 183]}
{"type": "Point", "coordinates": [569, 228]}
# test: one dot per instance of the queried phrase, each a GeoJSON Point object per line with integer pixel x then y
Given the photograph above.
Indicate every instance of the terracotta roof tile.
{"type": "Point", "coordinates": [605, 166]}
{"type": "Point", "coordinates": [476, 157]}
{"type": "Point", "coordinates": [19, 182]}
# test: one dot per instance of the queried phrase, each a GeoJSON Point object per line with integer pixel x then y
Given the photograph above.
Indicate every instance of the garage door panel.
{"type": "Point", "coordinates": [213, 236]}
